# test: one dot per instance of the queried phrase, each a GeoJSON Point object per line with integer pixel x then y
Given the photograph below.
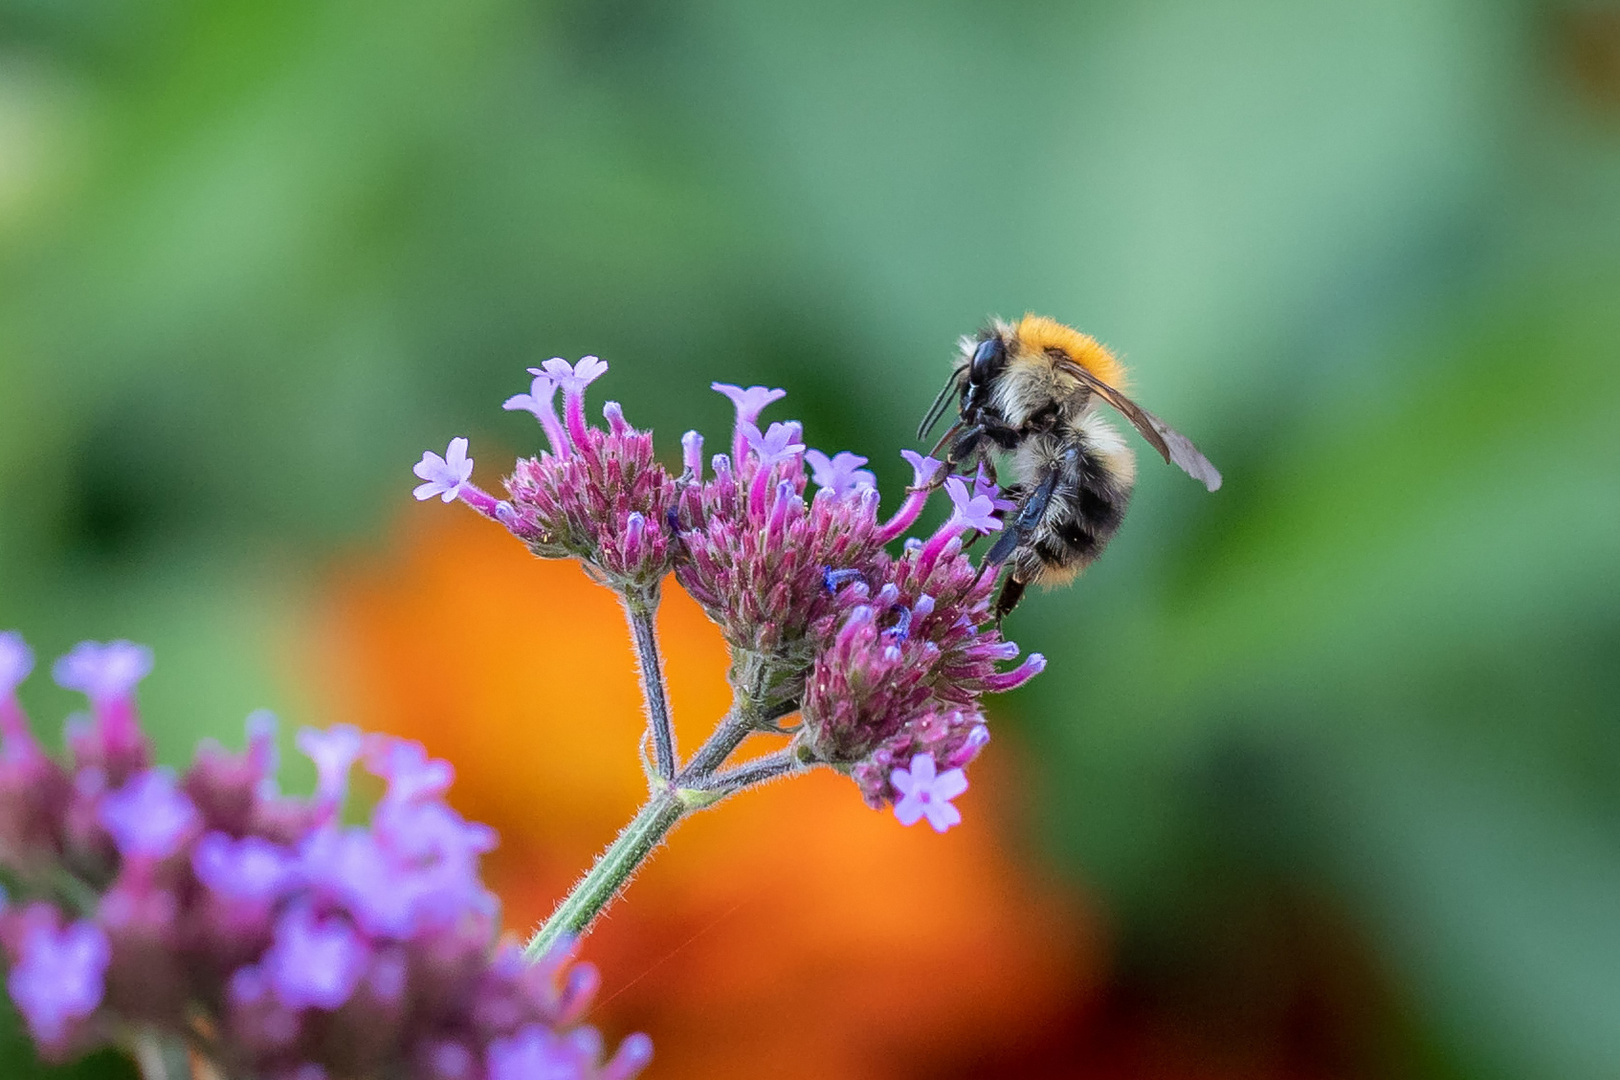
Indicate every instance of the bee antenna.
{"type": "Point", "coordinates": [937, 409]}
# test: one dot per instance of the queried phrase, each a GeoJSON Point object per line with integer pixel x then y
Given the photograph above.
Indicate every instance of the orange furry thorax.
{"type": "Point", "coordinates": [1037, 333]}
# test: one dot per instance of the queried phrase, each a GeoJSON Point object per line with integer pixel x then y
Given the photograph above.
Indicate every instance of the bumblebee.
{"type": "Point", "coordinates": [1032, 388]}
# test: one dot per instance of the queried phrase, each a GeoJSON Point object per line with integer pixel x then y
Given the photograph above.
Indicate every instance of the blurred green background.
{"type": "Point", "coordinates": [255, 257]}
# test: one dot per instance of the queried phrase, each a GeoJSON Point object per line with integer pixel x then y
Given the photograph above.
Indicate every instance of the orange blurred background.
{"type": "Point", "coordinates": [791, 931]}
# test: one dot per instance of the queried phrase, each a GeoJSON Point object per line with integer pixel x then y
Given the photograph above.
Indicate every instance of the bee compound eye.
{"type": "Point", "coordinates": [986, 359]}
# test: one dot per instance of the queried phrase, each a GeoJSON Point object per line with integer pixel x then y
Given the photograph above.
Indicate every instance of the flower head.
{"type": "Point", "coordinates": [446, 475]}
{"type": "Point", "coordinates": [925, 794]}
{"type": "Point", "coordinates": [299, 942]}
{"type": "Point", "coordinates": [606, 503]}
{"type": "Point", "coordinates": [841, 473]}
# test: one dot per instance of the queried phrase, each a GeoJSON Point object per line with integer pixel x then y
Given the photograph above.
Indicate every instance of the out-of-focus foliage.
{"type": "Point", "coordinates": [255, 257]}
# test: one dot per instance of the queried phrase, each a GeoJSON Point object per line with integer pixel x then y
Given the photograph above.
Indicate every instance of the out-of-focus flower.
{"type": "Point", "coordinates": [57, 977]}
{"type": "Point", "coordinates": [16, 661]}
{"type": "Point", "coordinates": [149, 817]}
{"type": "Point", "coordinates": [104, 672]}
{"type": "Point", "coordinates": [350, 951]}
{"type": "Point", "coordinates": [334, 752]}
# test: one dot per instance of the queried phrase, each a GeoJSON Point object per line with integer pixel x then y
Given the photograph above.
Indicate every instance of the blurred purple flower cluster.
{"type": "Point", "coordinates": [884, 657]}
{"type": "Point", "coordinates": [271, 937]}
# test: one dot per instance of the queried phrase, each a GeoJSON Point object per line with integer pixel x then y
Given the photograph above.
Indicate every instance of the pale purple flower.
{"type": "Point", "coordinates": [983, 486]}
{"type": "Point", "coordinates": [334, 752]}
{"type": "Point", "coordinates": [104, 672]}
{"type": "Point", "coordinates": [59, 977]}
{"type": "Point", "coordinates": [410, 773]}
{"type": "Point", "coordinates": [351, 867]}
{"type": "Point", "coordinates": [542, 391]}
{"type": "Point", "coordinates": [1001, 682]}
{"type": "Point", "coordinates": [750, 402]}
{"type": "Point", "coordinates": [445, 476]}
{"type": "Point", "coordinates": [971, 511]}
{"type": "Point", "coordinates": [923, 468]}
{"type": "Point", "coordinates": [978, 738]}
{"type": "Point", "coordinates": [777, 444]}
{"type": "Point", "coordinates": [315, 962]}
{"type": "Point", "coordinates": [840, 474]}
{"type": "Point", "coordinates": [534, 1053]}
{"type": "Point", "coordinates": [923, 471]}
{"type": "Point", "coordinates": [149, 817]}
{"type": "Point", "coordinates": [16, 661]}
{"type": "Point", "coordinates": [692, 456]}
{"type": "Point", "coordinates": [925, 794]}
{"type": "Point", "coordinates": [252, 869]}
{"type": "Point", "coordinates": [572, 379]}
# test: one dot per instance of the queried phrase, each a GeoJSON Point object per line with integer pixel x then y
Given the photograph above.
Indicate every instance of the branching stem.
{"type": "Point", "coordinates": [692, 788]}
{"type": "Point", "coordinates": [763, 768]}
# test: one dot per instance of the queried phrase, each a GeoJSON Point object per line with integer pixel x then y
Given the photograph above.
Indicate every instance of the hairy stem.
{"type": "Point", "coordinates": [640, 610]}
{"type": "Point", "coordinates": [162, 1057]}
{"type": "Point", "coordinates": [613, 870]}
{"type": "Point", "coordinates": [763, 768]}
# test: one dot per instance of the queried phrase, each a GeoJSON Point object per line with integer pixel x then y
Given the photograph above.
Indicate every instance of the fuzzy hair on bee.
{"type": "Point", "coordinates": [1032, 389]}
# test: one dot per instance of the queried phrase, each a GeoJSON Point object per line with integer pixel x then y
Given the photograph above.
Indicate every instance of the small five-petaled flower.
{"type": "Point", "coordinates": [927, 794]}
{"type": "Point", "coordinates": [444, 475]}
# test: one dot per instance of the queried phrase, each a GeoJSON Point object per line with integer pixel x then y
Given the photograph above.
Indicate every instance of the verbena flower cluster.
{"type": "Point", "coordinates": [884, 656]}
{"type": "Point", "coordinates": [277, 941]}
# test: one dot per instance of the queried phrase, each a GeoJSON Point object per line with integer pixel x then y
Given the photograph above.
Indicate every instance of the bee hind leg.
{"type": "Point", "coordinates": [1012, 590]}
{"type": "Point", "coordinates": [1017, 530]}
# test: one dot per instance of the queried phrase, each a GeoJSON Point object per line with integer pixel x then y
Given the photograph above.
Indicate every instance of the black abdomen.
{"type": "Point", "coordinates": [1085, 512]}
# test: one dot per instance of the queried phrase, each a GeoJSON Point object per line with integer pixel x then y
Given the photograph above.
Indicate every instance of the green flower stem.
{"type": "Point", "coordinates": [765, 767]}
{"type": "Point", "coordinates": [640, 611]}
{"type": "Point", "coordinates": [713, 753]}
{"type": "Point", "coordinates": [612, 872]}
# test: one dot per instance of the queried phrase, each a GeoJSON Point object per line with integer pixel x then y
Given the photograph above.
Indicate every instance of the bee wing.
{"type": "Point", "coordinates": [1175, 447]}
{"type": "Point", "coordinates": [937, 409]}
